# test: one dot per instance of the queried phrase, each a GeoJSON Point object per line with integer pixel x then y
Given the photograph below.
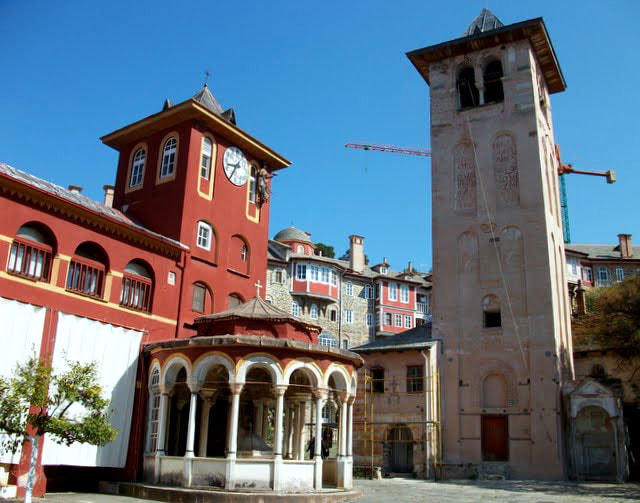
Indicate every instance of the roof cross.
{"type": "Point", "coordinates": [258, 286]}
{"type": "Point", "coordinates": [207, 75]}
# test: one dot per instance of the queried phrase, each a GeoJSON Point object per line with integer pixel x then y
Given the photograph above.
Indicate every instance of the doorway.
{"type": "Point", "coordinates": [401, 450]}
{"type": "Point", "coordinates": [495, 438]}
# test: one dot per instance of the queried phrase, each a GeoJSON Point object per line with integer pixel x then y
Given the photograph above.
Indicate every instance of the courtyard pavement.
{"type": "Point", "coordinates": [459, 491]}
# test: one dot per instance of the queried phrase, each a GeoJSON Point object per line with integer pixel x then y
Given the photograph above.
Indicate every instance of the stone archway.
{"type": "Point", "coordinates": [400, 458]}
{"type": "Point", "coordinates": [596, 436]}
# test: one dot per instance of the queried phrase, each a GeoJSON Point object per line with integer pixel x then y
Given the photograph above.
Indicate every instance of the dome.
{"type": "Point", "coordinates": [292, 234]}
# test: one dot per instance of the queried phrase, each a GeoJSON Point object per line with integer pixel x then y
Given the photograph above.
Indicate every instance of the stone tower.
{"type": "Point", "coordinates": [500, 306]}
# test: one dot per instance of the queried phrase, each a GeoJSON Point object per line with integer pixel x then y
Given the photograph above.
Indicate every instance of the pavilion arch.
{"type": "Point", "coordinates": [266, 362]}
{"type": "Point", "coordinates": [343, 377]}
{"type": "Point", "coordinates": [172, 366]}
{"type": "Point", "coordinates": [206, 362]}
{"type": "Point", "coordinates": [309, 369]}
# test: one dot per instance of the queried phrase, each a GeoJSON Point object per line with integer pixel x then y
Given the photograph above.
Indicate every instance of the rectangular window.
{"type": "Point", "coordinates": [153, 422]}
{"type": "Point", "coordinates": [377, 290]}
{"type": "Point", "coordinates": [619, 274]}
{"type": "Point", "coordinates": [415, 379]}
{"type": "Point", "coordinates": [388, 320]}
{"type": "Point", "coordinates": [398, 320]}
{"type": "Point", "coordinates": [30, 260]}
{"type": "Point", "coordinates": [587, 274]}
{"type": "Point", "coordinates": [204, 236]}
{"type": "Point", "coordinates": [314, 273]}
{"type": "Point", "coordinates": [345, 343]}
{"type": "Point", "coordinates": [325, 275]}
{"type": "Point", "coordinates": [197, 301]}
{"type": "Point", "coordinates": [404, 294]}
{"type": "Point", "coordinates": [407, 321]}
{"type": "Point", "coordinates": [393, 291]}
{"type": "Point", "coordinates": [349, 288]}
{"type": "Point", "coordinates": [205, 158]}
{"type": "Point", "coordinates": [377, 319]}
{"type": "Point", "coordinates": [603, 276]}
{"type": "Point", "coordinates": [348, 316]}
{"type": "Point", "coordinates": [301, 272]}
{"type": "Point", "coordinates": [295, 308]}
{"type": "Point", "coordinates": [377, 380]}
{"type": "Point", "coordinates": [334, 278]}
{"type": "Point", "coordinates": [369, 319]}
{"type": "Point", "coordinates": [135, 293]}
{"type": "Point", "coordinates": [574, 266]}
{"type": "Point", "coordinates": [333, 315]}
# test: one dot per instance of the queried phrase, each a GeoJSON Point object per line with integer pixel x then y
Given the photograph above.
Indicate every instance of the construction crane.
{"type": "Point", "coordinates": [563, 169]}
{"type": "Point", "coordinates": [567, 169]}
{"type": "Point", "coordinates": [394, 149]}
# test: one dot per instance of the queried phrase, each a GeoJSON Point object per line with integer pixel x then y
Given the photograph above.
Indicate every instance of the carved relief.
{"type": "Point", "coordinates": [505, 170]}
{"type": "Point", "coordinates": [467, 254]}
{"type": "Point", "coordinates": [465, 177]}
{"type": "Point", "coordinates": [512, 249]}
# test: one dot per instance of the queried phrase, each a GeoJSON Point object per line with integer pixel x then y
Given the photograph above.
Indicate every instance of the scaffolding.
{"type": "Point", "coordinates": [373, 430]}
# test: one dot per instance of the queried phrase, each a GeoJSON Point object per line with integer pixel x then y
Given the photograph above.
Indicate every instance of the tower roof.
{"type": "Point", "coordinates": [485, 21]}
{"type": "Point", "coordinates": [205, 98]}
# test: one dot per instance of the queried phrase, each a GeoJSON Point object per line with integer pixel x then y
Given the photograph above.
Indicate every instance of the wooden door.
{"type": "Point", "coordinates": [401, 450]}
{"type": "Point", "coordinates": [495, 438]}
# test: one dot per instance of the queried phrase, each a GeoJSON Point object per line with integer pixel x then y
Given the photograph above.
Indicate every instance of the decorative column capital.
{"type": "Point", "coordinates": [343, 396]}
{"type": "Point", "coordinates": [320, 393]}
{"type": "Point", "coordinates": [280, 389]}
{"type": "Point", "coordinates": [166, 388]}
{"type": "Point", "coordinates": [194, 386]}
{"type": "Point", "coordinates": [208, 395]}
{"type": "Point", "coordinates": [236, 388]}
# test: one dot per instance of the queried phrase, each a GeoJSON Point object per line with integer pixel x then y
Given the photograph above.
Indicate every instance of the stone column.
{"type": "Point", "coordinates": [163, 414]}
{"type": "Point", "coordinates": [207, 402]}
{"type": "Point", "coordinates": [259, 408]}
{"type": "Point", "coordinates": [320, 396]}
{"type": "Point", "coordinates": [302, 419]}
{"type": "Point", "coordinates": [342, 444]}
{"type": "Point", "coordinates": [191, 434]}
{"type": "Point", "coordinates": [343, 466]}
{"type": "Point", "coordinates": [232, 435]}
{"type": "Point", "coordinates": [265, 419]}
{"type": "Point", "coordinates": [277, 437]}
{"type": "Point", "coordinates": [349, 452]}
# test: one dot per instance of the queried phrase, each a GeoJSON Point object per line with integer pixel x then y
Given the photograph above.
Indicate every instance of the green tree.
{"type": "Point", "coordinates": [35, 401]}
{"type": "Point", "coordinates": [327, 251]}
{"type": "Point", "coordinates": [613, 319]}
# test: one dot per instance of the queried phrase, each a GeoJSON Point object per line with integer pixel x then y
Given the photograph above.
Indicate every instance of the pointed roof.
{"type": "Point", "coordinates": [205, 98]}
{"type": "Point", "coordinates": [485, 21]}
{"type": "Point", "coordinates": [257, 309]}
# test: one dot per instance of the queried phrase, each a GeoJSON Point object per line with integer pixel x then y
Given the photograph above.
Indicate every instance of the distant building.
{"type": "Point", "coordinates": [352, 302]}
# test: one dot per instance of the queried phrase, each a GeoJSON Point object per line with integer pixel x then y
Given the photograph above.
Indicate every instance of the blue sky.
{"type": "Point", "coordinates": [306, 78]}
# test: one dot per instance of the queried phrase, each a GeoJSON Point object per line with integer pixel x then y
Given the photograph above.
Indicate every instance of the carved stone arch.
{"type": "Point", "coordinates": [464, 172]}
{"type": "Point", "coordinates": [505, 170]}
{"type": "Point", "coordinates": [343, 377]}
{"type": "Point", "coordinates": [268, 363]}
{"type": "Point", "coordinates": [171, 368]}
{"type": "Point", "coordinates": [309, 368]}
{"type": "Point", "coordinates": [206, 362]}
{"type": "Point", "coordinates": [500, 368]}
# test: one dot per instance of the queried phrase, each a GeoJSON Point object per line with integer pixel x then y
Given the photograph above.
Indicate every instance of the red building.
{"type": "Point", "coordinates": [182, 234]}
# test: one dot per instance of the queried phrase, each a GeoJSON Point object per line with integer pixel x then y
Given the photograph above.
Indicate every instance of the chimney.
{"type": "Point", "coordinates": [626, 249]}
{"type": "Point", "coordinates": [356, 253]}
{"type": "Point", "coordinates": [410, 268]}
{"type": "Point", "coordinates": [75, 188]}
{"type": "Point", "coordinates": [319, 253]}
{"type": "Point", "coordinates": [108, 195]}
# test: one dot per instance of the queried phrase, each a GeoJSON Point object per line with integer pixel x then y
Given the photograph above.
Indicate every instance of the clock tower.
{"type": "Point", "coordinates": [190, 173]}
{"type": "Point", "coordinates": [501, 307]}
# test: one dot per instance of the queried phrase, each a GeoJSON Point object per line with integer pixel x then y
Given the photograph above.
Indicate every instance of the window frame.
{"type": "Point", "coordinates": [348, 287]}
{"type": "Point", "coordinates": [415, 379]}
{"type": "Point", "coordinates": [369, 319]}
{"type": "Point", "coordinates": [301, 272]}
{"type": "Point", "coordinates": [313, 312]}
{"type": "Point", "coordinates": [136, 292]}
{"type": "Point", "coordinates": [205, 290]}
{"type": "Point", "coordinates": [295, 308]}
{"type": "Point", "coordinates": [404, 294]}
{"type": "Point", "coordinates": [397, 320]}
{"type": "Point", "coordinates": [87, 266]}
{"type": "Point", "coordinates": [137, 168]}
{"type": "Point", "coordinates": [253, 183]}
{"type": "Point", "coordinates": [28, 246]}
{"type": "Point", "coordinates": [408, 322]}
{"type": "Point", "coordinates": [377, 380]}
{"type": "Point", "coordinates": [207, 226]}
{"type": "Point", "coordinates": [168, 176]}
{"type": "Point", "coordinates": [619, 274]}
{"type": "Point", "coordinates": [208, 171]}
{"type": "Point", "coordinates": [387, 319]}
{"type": "Point", "coordinates": [392, 292]}
{"type": "Point", "coordinates": [348, 316]}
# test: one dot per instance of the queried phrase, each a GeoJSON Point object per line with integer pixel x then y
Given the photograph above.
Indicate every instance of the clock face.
{"type": "Point", "coordinates": [236, 166]}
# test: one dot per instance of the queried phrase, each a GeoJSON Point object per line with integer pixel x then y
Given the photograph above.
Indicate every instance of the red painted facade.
{"type": "Point", "coordinates": [163, 239]}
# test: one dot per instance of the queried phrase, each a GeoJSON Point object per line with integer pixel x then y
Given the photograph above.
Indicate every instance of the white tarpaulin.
{"type": "Point", "coordinates": [20, 336]}
{"type": "Point", "coordinates": [115, 351]}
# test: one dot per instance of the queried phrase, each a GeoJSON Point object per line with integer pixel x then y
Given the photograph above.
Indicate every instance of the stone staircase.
{"type": "Point", "coordinates": [494, 470]}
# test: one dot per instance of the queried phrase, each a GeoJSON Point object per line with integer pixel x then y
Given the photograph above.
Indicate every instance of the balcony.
{"type": "Point", "coordinates": [423, 307]}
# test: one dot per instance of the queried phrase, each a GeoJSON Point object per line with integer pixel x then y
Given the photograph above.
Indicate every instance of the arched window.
{"type": "Point", "coordinates": [300, 249]}
{"type": "Point", "coordinates": [234, 300]}
{"type": "Point", "coordinates": [137, 168]}
{"type": "Point", "coordinates": [205, 158]}
{"type": "Point", "coordinates": [168, 166]}
{"type": "Point", "coordinates": [137, 286]}
{"type": "Point", "coordinates": [31, 252]}
{"type": "Point", "coordinates": [201, 301]}
{"type": "Point", "coordinates": [154, 410]}
{"type": "Point", "coordinates": [314, 312]}
{"type": "Point", "coordinates": [205, 233]}
{"type": "Point", "coordinates": [278, 276]}
{"type": "Point", "coordinates": [295, 308]}
{"type": "Point", "coordinates": [87, 270]}
{"type": "Point", "coordinates": [494, 391]}
{"type": "Point", "coordinates": [244, 253]}
{"type": "Point", "coordinates": [239, 255]}
{"type": "Point", "coordinates": [467, 90]}
{"type": "Point", "coordinates": [493, 91]}
{"type": "Point", "coordinates": [253, 175]}
{"type": "Point", "coordinates": [491, 310]}
{"type": "Point", "coordinates": [327, 339]}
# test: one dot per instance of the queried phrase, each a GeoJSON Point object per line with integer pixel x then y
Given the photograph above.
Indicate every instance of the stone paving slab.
{"type": "Point", "coordinates": [458, 491]}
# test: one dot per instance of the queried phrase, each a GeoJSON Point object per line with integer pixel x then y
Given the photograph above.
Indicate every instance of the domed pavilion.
{"type": "Point", "coordinates": [252, 401]}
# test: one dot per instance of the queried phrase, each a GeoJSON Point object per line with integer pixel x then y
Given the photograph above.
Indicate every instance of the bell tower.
{"type": "Point", "coordinates": [501, 305]}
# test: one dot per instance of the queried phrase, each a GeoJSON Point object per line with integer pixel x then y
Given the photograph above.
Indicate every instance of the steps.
{"type": "Point", "coordinates": [494, 470]}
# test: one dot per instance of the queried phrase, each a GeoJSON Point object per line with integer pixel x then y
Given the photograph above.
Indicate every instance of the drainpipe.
{"type": "Point", "coordinates": [427, 417]}
{"type": "Point", "coordinates": [182, 264]}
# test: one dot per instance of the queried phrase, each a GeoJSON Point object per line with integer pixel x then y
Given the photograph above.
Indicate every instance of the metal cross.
{"type": "Point", "coordinates": [258, 288]}
{"type": "Point", "coordinates": [207, 75]}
